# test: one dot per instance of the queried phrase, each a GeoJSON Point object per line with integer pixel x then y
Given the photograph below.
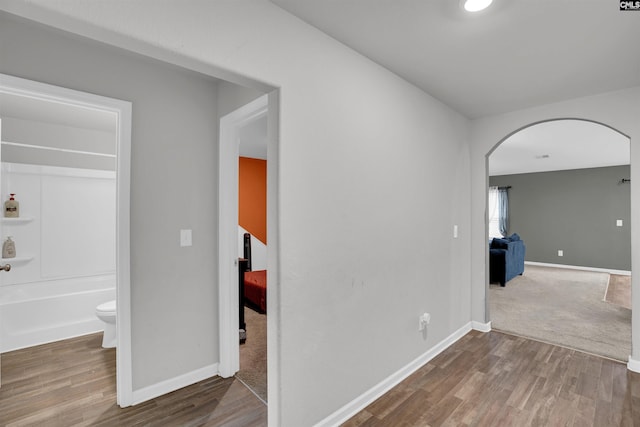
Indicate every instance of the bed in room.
{"type": "Point", "coordinates": [255, 290]}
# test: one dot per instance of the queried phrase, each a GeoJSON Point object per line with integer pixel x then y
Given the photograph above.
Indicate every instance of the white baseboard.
{"type": "Point", "coordinates": [50, 334]}
{"type": "Point", "coordinates": [173, 384]}
{"type": "Point", "coordinates": [368, 397]}
{"type": "Point", "coordinates": [481, 327]}
{"type": "Point", "coordinates": [579, 267]}
{"type": "Point", "coordinates": [633, 364]}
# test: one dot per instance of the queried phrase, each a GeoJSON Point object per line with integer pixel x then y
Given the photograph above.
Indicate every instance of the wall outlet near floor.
{"type": "Point", "coordinates": [423, 321]}
{"type": "Point", "coordinates": [560, 252]}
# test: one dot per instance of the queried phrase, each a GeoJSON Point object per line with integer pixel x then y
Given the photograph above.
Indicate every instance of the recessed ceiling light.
{"type": "Point", "coordinates": [475, 5]}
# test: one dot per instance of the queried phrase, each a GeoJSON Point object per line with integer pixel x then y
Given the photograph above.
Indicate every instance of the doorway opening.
{"type": "Point", "coordinates": [63, 148]}
{"type": "Point", "coordinates": [565, 241]}
{"type": "Point", "coordinates": [253, 247]}
{"type": "Point", "coordinates": [248, 152]}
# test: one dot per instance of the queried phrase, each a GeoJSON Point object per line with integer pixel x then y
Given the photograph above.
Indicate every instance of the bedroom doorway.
{"type": "Point", "coordinates": [569, 201]}
{"type": "Point", "coordinates": [247, 153]}
{"type": "Point", "coordinates": [252, 242]}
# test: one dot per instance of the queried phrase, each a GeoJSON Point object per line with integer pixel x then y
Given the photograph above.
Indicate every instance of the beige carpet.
{"type": "Point", "coordinates": [253, 354]}
{"type": "Point", "coordinates": [564, 307]}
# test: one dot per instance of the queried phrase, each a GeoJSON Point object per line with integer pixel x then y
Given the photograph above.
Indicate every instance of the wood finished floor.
{"type": "Point", "coordinates": [495, 379]}
{"type": "Point", "coordinates": [72, 383]}
{"type": "Point", "coordinates": [619, 290]}
{"type": "Point", "coordinates": [490, 379]}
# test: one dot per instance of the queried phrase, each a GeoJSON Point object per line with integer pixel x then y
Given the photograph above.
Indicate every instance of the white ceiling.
{"type": "Point", "coordinates": [516, 54]}
{"type": "Point", "coordinates": [560, 145]}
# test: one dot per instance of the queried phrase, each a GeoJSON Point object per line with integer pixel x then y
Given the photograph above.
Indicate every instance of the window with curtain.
{"type": "Point", "coordinates": [498, 210]}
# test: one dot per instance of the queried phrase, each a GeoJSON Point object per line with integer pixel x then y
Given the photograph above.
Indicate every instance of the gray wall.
{"type": "Point", "coordinates": [574, 211]}
{"type": "Point", "coordinates": [173, 186]}
{"type": "Point", "coordinates": [357, 173]}
{"type": "Point", "coordinates": [231, 97]}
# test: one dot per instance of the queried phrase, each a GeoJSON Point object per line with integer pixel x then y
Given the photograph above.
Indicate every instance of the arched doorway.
{"type": "Point", "coordinates": [570, 202]}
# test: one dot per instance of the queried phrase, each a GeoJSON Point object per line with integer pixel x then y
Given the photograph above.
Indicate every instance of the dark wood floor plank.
{"type": "Point", "coordinates": [72, 383]}
{"type": "Point", "coordinates": [495, 379]}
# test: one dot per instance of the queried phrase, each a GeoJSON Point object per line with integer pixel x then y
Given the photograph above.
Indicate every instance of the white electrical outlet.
{"type": "Point", "coordinates": [423, 321]}
{"type": "Point", "coordinates": [560, 252]}
{"type": "Point", "coordinates": [185, 238]}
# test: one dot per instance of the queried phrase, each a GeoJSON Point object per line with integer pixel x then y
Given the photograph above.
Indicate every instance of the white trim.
{"type": "Point", "coordinates": [173, 384]}
{"type": "Point", "coordinates": [122, 109]}
{"type": "Point", "coordinates": [368, 397]}
{"type": "Point", "coordinates": [481, 327]}
{"type": "Point", "coordinates": [54, 334]}
{"type": "Point", "coordinates": [578, 267]}
{"type": "Point", "coordinates": [124, 356]}
{"type": "Point", "coordinates": [633, 364]}
{"type": "Point", "coordinates": [230, 126]}
{"type": "Point", "coordinates": [25, 169]}
{"type": "Point", "coordinates": [274, 408]}
{"type": "Point", "coordinates": [63, 150]}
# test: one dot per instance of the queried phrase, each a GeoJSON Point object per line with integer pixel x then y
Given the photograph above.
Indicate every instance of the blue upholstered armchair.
{"type": "Point", "coordinates": [506, 259]}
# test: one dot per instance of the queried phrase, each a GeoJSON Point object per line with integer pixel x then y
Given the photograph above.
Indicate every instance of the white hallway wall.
{"type": "Point", "coordinates": [362, 159]}
{"type": "Point", "coordinates": [619, 110]}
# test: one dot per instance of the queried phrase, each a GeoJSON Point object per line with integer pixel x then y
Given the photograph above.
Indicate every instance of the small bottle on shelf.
{"type": "Point", "coordinates": [11, 207]}
{"type": "Point", "coordinates": [9, 248]}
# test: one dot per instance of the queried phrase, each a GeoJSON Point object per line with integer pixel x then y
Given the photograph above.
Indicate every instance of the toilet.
{"type": "Point", "coordinates": [107, 313]}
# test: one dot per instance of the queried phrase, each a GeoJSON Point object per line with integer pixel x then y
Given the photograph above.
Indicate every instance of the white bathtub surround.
{"type": "Point", "coordinates": [65, 265]}
{"type": "Point", "coordinates": [43, 312]}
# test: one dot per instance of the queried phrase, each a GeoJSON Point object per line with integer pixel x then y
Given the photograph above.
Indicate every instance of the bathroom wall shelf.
{"type": "Point", "coordinates": [17, 260]}
{"type": "Point", "coordinates": [19, 220]}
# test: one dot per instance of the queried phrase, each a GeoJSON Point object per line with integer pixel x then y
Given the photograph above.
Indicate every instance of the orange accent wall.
{"type": "Point", "coordinates": [252, 198]}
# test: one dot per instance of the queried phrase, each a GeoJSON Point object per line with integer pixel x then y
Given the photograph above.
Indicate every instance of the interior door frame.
{"type": "Point", "coordinates": [229, 152]}
{"type": "Point", "coordinates": [228, 292]}
{"type": "Point", "coordinates": [2, 234]}
{"type": "Point", "coordinates": [122, 109]}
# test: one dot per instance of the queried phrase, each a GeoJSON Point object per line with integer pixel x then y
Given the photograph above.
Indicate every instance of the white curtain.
{"type": "Point", "coordinates": [493, 211]}
{"type": "Point", "coordinates": [503, 209]}
{"type": "Point", "coordinates": [498, 211]}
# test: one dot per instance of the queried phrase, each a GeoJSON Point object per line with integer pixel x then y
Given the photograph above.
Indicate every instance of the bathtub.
{"type": "Point", "coordinates": [46, 311]}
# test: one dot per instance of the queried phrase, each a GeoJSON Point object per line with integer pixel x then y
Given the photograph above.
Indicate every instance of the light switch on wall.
{"type": "Point", "coordinates": [185, 238]}
{"type": "Point", "coordinates": [618, 223]}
